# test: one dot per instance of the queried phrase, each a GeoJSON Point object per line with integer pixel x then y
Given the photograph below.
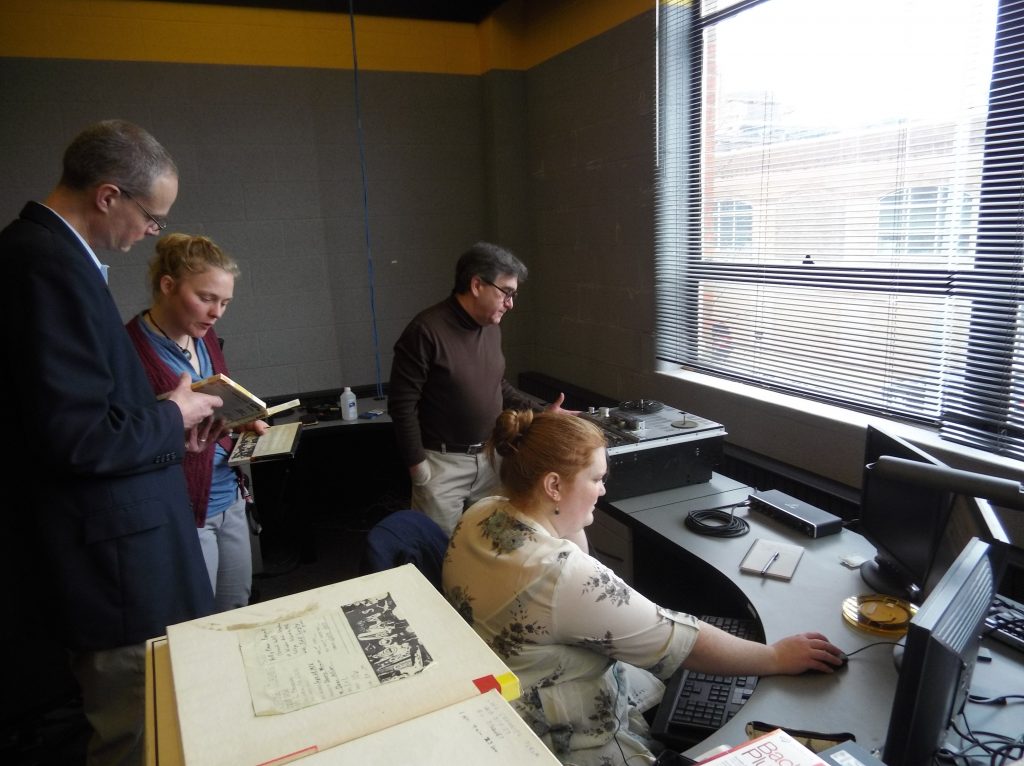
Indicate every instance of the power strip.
{"type": "Point", "coordinates": [802, 516]}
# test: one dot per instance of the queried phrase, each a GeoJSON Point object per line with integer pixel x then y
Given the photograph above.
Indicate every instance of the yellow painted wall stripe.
{"type": "Point", "coordinates": [519, 35]}
{"type": "Point", "coordinates": [523, 33]}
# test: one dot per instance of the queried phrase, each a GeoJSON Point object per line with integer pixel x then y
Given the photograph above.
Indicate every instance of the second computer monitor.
{"type": "Point", "coordinates": [918, 530]}
{"type": "Point", "coordinates": [905, 522]}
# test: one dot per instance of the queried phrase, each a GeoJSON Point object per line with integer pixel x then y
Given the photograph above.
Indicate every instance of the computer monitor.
{"type": "Point", "coordinates": [969, 517]}
{"type": "Point", "coordinates": [904, 521]}
{"type": "Point", "coordinates": [938, 660]}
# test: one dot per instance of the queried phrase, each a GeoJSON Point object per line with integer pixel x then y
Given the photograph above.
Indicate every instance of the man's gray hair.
{"type": "Point", "coordinates": [117, 152]}
{"type": "Point", "coordinates": [488, 262]}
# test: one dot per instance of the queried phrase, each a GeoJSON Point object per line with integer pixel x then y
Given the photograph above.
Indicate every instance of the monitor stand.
{"type": "Point", "coordinates": [885, 579]}
{"type": "Point", "coordinates": [897, 656]}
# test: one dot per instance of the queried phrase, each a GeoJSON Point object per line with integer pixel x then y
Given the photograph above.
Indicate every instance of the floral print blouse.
{"type": "Point", "coordinates": [588, 650]}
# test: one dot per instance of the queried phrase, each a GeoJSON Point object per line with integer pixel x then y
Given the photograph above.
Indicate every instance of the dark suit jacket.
{"type": "Point", "coordinates": [104, 537]}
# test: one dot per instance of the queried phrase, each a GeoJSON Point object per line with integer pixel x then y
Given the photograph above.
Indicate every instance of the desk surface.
{"type": "Point", "coordinates": [856, 699]}
{"type": "Point", "coordinates": [363, 405]}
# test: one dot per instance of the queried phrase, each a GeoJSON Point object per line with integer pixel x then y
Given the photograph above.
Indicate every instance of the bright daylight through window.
{"type": "Point", "coordinates": [839, 210]}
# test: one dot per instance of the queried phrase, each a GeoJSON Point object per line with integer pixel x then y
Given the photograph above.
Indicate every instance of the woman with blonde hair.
{"type": "Point", "coordinates": [588, 649]}
{"type": "Point", "coordinates": [192, 282]}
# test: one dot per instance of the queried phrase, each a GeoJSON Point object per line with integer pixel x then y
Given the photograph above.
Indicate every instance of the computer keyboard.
{"type": "Point", "coordinates": [1005, 622]}
{"type": "Point", "coordinates": [695, 704]}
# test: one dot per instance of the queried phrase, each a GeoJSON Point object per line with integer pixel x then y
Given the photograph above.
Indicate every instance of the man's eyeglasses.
{"type": "Point", "coordinates": [160, 223]}
{"type": "Point", "coordinates": [509, 293]}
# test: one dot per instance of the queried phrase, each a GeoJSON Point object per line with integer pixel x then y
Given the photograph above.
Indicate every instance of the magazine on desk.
{"type": "Point", "coordinates": [771, 749]}
{"type": "Point", "coordinates": [312, 674]}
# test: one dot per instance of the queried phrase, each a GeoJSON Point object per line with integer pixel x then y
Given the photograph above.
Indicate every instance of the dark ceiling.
{"type": "Point", "coordinates": [442, 10]}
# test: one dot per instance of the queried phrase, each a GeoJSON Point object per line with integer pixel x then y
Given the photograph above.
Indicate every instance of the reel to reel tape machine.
{"type": "Point", "coordinates": [653, 447]}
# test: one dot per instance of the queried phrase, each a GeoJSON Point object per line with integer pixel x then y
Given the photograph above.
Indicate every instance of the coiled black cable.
{"type": "Point", "coordinates": [716, 522]}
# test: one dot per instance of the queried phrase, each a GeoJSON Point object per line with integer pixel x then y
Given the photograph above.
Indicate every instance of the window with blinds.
{"type": "Point", "coordinates": [839, 207]}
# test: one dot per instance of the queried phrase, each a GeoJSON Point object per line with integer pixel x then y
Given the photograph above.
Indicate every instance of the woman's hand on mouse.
{"type": "Point", "coordinates": [806, 651]}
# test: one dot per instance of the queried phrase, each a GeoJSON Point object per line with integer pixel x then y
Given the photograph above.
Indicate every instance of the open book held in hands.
{"type": "Point", "coordinates": [240, 406]}
{"type": "Point", "coordinates": [278, 442]}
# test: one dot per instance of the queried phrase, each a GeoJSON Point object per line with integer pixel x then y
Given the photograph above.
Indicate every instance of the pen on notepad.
{"type": "Point", "coordinates": [774, 557]}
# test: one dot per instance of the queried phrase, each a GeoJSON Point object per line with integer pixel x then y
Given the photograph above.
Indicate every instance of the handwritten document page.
{"type": "Point", "coordinates": [483, 729]}
{"type": "Point", "coordinates": [416, 651]}
{"type": "Point", "coordinates": [296, 663]}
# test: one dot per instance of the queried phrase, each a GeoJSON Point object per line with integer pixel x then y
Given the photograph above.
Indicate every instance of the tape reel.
{"type": "Point", "coordinates": [879, 614]}
{"type": "Point", "coordinates": [643, 406]}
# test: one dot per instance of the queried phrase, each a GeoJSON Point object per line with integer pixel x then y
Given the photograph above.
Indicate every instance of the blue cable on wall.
{"type": "Point", "coordinates": [366, 201]}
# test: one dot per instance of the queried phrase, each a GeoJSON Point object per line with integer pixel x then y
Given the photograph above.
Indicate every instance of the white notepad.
{"type": "Point", "coordinates": [771, 558]}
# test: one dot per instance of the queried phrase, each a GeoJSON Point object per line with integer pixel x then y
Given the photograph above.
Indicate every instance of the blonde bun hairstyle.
{"type": "Point", "coordinates": [532, 445]}
{"type": "Point", "coordinates": [178, 255]}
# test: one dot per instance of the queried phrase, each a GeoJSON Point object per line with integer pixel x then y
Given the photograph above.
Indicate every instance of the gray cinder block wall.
{"type": "Point", "coordinates": [270, 169]}
{"type": "Point", "coordinates": [590, 129]}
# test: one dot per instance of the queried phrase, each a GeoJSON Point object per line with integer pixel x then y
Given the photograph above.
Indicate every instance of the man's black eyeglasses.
{"type": "Point", "coordinates": [508, 292]}
{"type": "Point", "coordinates": [160, 223]}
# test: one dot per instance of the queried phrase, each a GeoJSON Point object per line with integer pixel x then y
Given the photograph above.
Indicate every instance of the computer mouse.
{"type": "Point", "coordinates": [835, 668]}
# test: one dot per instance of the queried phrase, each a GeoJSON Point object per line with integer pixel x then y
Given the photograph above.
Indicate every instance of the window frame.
{"type": "Point", "coordinates": [958, 419]}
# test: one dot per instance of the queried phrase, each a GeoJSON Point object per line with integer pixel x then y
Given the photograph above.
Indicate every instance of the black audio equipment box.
{"type": "Point", "coordinates": [794, 513]}
{"type": "Point", "coordinates": [653, 447]}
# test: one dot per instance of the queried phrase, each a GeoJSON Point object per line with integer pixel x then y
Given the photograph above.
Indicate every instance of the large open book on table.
{"type": "Point", "coordinates": [354, 672]}
{"type": "Point", "coordinates": [480, 729]}
{"type": "Point", "coordinates": [240, 406]}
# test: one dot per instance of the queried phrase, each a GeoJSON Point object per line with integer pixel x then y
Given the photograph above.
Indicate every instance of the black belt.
{"type": "Point", "coordinates": [458, 449]}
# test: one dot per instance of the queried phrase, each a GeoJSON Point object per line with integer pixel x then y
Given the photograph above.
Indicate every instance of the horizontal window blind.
{"type": "Point", "coordinates": [839, 205]}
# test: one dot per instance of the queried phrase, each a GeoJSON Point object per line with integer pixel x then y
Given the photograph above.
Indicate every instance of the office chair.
{"type": "Point", "coordinates": [405, 537]}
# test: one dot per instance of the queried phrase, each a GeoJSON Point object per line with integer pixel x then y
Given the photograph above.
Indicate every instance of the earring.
{"type": "Point", "coordinates": [557, 511]}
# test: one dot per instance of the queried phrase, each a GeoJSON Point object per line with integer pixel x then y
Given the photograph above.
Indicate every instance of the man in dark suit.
{"type": "Point", "coordinates": [105, 544]}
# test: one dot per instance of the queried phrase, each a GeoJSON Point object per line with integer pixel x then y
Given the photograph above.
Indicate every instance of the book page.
{"type": "Point", "coordinates": [245, 448]}
{"type": "Point", "coordinates": [277, 440]}
{"type": "Point", "coordinates": [296, 663]}
{"type": "Point", "coordinates": [483, 729]}
{"type": "Point", "coordinates": [277, 409]}
{"type": "Point", "coordinates": [239, 406]}
{"type": "Point", "coordinates": [215, 707]}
